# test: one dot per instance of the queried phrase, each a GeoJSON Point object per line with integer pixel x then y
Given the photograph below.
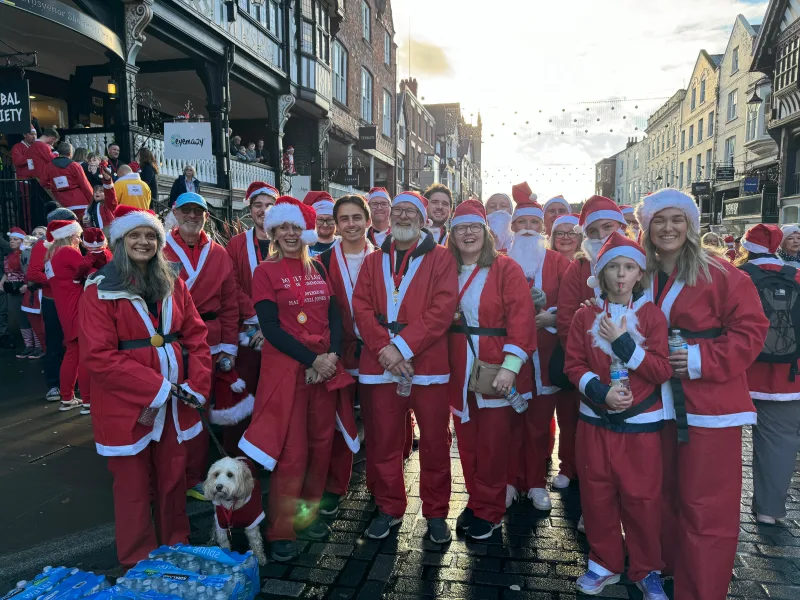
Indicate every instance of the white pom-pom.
{"type": "Point", "coordinates": [577, 229]}
{"type": "Point", "coordinates": [533, 197]}
{"type": "Point", "coordinates": [238, 386]}
{"type": "Point", "coordinates": [309, 237]}
{"type": "Point", "coordinates": [593, 282]}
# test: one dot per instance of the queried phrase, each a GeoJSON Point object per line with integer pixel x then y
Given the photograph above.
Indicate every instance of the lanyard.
{"type": "Point", "coordinates": [258, 248]}
{"type": "Point", "coordinates": [469, 281]}
{"type": "Point", "coordinates": [397, 277]}
{"type": "Point", "coordinates": [347, 266]}
{"type": "Point", "coordinates": [301, 297]}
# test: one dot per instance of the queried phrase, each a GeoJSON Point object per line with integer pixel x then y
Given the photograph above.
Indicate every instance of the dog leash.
{"type": "Point", "coordinates": [192, 401]}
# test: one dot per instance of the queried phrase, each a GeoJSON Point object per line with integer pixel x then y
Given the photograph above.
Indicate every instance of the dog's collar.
{"type": "Point", "coordinates": [235, 500]}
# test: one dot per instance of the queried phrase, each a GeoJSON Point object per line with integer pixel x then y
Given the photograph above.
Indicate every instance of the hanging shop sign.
{"type": "Point", "coordinates": [700, 188]}
{"type": "Point", "coordinates": [751, 184]}
{"type": "Point", "coordinates": [351, 180]}
{"type": "Point", "coordinates": [367, 138]}
{"type": "Point", "coordinates": [15, 106]}
{"type": "Point", "coordinates": [725, 173]}
{"type": "Point", "coordinates": [187, 141]}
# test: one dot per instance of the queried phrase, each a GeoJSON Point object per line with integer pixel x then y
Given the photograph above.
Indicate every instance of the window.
{"type": "Point", "coordinates": [709, 166]}
{"type": "Point", "coordinates": [674, 135]}
{"type": "Point", "coordinates": [733, 100]}
{"type": "Point", "coordinates": [786, 65]}
{"type": "Point", "coordinates": [699, 167]}
{"type": "Point", "coordinates": [671, 177]}
{"type": "Point", "coordinates": [339, 73]}
{"type": "Point", "coordinates": [752, 123]}
{"type": "Point", "coordinates": [710, 124]}
{"type": "Point", "coordinates": [730, 150]}
{"type": "Point", "coordinates": [621, 167]}
{"type": "Point", "coordinates": [366, 95]}
{"type": "Point", "coordinates": [694, 97]}
{"type": "Point", "coordinates": [307, 37]}
{"type": "Point", "coordinates": [680, 176]}
{"type": "Point", "coordinates": [387, 114]}
{"type": "Point", "coordinates": [636, 160]}
{"type": "Point", "coordinates": [365, 21]}
{"type": "Point", "coordinates": [401, 169]}
{"type": "Point", "coordinates": [700, 131]}
{"type": "Point", "coordinates": [735, 60]}
{"type": "Point", "coordinates": [387, 49]}
{"type": "Point", "coordinates": [691, 136]}
{"type": "Point", "coordinates": [688, 171]}
{"type": "Point", "coordinates": [703, 89]}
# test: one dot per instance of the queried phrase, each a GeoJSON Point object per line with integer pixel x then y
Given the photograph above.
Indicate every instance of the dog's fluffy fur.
{"type": "Point", "coordinates": [230, 484]}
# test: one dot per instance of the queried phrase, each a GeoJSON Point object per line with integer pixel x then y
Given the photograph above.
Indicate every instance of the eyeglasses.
{"type": "Point", "coordinates": [562, 234]}
{"type": "Point", "coordinates": [188, 210]}
{"type": "Point", "coordinates": [374, 205]}
{"type": "Point", "coordinates": [408, 212]}
{"type": "Point", "coordinates": [326, 222]}
{"type": "Point", "coordinates": [471, 228]}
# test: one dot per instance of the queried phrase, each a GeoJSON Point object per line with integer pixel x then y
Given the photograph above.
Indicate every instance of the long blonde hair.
{"type": "Point", "coordinates": [56, 245]}
{"type": "Point", "coordinates": [276, 253]}
{"type": "Point", "coordinates": [693, 260]}
{"type": "Point", "coordinates": [485, 258]}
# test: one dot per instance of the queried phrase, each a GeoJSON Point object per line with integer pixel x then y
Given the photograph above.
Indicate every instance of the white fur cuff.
{"type": "Point", "coordinates": [636, 358]}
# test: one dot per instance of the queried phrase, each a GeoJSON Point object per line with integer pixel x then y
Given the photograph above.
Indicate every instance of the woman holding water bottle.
{"type": "Point", "coordinates": [494, 331]}
{"type": "Point", "coordinates": [718, 311]}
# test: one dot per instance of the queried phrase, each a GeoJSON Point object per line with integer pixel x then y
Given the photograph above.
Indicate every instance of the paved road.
{"type": "Point", "coordinates": [56, 507]}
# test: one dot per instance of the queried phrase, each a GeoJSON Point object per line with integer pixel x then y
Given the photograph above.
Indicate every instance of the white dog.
{"type": "Point", "coordinates": [234, 489]}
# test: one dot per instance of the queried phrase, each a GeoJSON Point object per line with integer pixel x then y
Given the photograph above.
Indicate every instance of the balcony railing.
{"type": "Point", "coordinates": [245, 173]}
{"type": "Point", "coordinates": [337, 190]}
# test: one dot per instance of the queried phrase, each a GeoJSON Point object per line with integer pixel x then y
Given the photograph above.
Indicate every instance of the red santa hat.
{"type": "Point", "coordinates": [291, 210]}
{"type": "Point", "coordinates": [522, 193]}
{"type": "Point", "coordinates": [557, 200]}
{"type": "Point", "coordinates": [571, 219]}
{"type": "Point", "coordinates": [93, 238]}
{"type": "Point", "coordinates": [788, 230]}
{"type": "Point", "coordinates": [378, 192]}
{"type": "Point", "coordinates": [762, 239]}
{"type": "Point", "coordinates": [321, 202]}
{"type": "Point", "coordinates": [16, 232]}
{"type": "Point", "coordinates": [60, 230]}
{"type": "Point", "coordinates": [598, 208]}
{"type": "Point", "coordinates": [617, 245]}
{"type": "Point", "coordinates": [663, 199]}
{"type": "Point", "coordinates": [626, 209]}
{"type": "Point", "coordinates": [418, 200]}
{"type": "Point", "coordinates": [259, 187]}
{"type": "Point", "coordinates": [527, 208]}
{"type": "Point", "coordinates": [469, 211]}
{"type": "Point", "coordinates": [128, 218]}
{"type": "Point", "coordinates": [729, 240]}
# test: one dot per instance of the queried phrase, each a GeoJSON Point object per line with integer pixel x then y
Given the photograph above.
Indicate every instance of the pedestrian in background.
{"type": "Point", "coordinates": [187, 182]}
{"type": "Point", "coordinates": [131, 190]}
{"type": "Point", "coordinates": [148, 169]}
{"type": "Point", "coordinates": [789, 252]}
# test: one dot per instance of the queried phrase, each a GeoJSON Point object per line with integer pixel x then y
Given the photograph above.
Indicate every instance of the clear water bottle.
{"type": "Point", "coordinates": [517, 401]}
{"type": "Point", "coordinates": [619, 374]}
{"type": "Point", "coordinates": [404, 387]}
{"type": "Point", "coordinates": [225, 364]}
{"type": "Point", "coordinates": [676, 341]}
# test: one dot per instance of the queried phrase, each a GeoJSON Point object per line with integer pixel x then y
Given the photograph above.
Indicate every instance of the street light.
{"type": "Point", "coordinates": [755, 98]}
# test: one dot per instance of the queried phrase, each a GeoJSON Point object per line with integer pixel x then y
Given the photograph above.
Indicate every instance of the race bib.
{"type": "Point", "coordinates": [134, 189]}
{"type": "Point", "coordinates": [61, 182]}
{"type": "Point", "coordinates": [30, 164]}
{"type": "Point", "coordinates": [48, 270]}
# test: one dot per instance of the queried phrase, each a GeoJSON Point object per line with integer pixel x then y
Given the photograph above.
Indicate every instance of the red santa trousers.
{"type": "Point", "coordinates": [483, 450]}
{"type": "Point", "coordinates": [161, 465]}
{"type": "Point", "coordinates": [538, 421]}
{"type": "Point", "coordinates": [701, 509]}
{"type": "Point", "coordinates": [341, 464]}
{"type": "Point", "coordinates": [72, 370]}
{"type": "Point", "coordinates": [620, 476]}
{"type": "Point", "coordinates": [37, 323]}
{"type": "Point", "coordinates": [386, 439]}
{"type": "Point", "coordinates": [517, 453]}
{"type": "Point", "coordinates": [302, 468]}
{"type": "Point", "coordinates": [248, 366]}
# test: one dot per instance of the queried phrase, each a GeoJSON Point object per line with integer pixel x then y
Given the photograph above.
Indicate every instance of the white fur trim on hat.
{"type": "Point", "coordinates": [599, 215]}
{"type": "Point", "coordinates": [66, 231]}
{"type": "Point", "coordinates": [753, 247]}
{"type": "Point", "coordinates": [465, 219]}
{"type": "Point", "coordinates": [628, 210]}
{"type": "Point", "coordinates": [121, 226]}
{"type": "Point", "coordinates": [626, 251]}
{"type": "Point", "coordinates": [284, 213]}
{"type": "Point", "coordinates": [17, 235]}
{"type": "Point", "coordinates": [323, 207]}
{"type": "Point", "coordinates": [557, 200]}
{"type": "Point", "coordinates": [411, 199]}
{"type": "Point", "coordinates": [788, 230]}
{"type": "Point", "coordinates": [666, 198]}
{"type": "Point", "coordinates": [379, 194]}
{"type": "Point", "coordinates": [565, 220]}
{"type": "Point", "coordinates": [264, 190]}
{"type": "Point", "coordinates": [94, 245]}
{"type": "Point", "coordinates": [529, 211]}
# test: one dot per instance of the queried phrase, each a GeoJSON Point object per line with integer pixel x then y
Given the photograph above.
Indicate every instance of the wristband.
{"type": "Point", "coordinates": [512, 363]}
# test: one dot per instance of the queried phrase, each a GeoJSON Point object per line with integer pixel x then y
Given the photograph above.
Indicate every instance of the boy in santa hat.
{"type": "Point", "coordinates": [618, 442]}
{"type": "Point", "coordinates": [322, 203]}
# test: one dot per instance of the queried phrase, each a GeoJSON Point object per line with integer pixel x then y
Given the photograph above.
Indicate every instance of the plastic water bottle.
{"type": "Point", "coordinates": [225, 364]}
{"type": "Point", "coordinates": [517, 401]}
{"type": "Point", "coordinates": [404, 387]}
{"type": "Point", "coordinates": [619, 374]}
{"type": "Point", "coordinates": [676, 341]}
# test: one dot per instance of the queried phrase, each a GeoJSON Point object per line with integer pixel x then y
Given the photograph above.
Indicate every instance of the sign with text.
{"type": "Point", "coordinates": [15, 106]}
{"type": "Point", "coordinates": [351, 180]}
{"type": "Point", "coordinates": [367, 138]}
{"type": "Point", "coordinates": [301, 185]}
{"type": "Point", "coordinates": [187, 141]}
{"type": "Point", "coordinates": [751, 184]}
{"type": "Point", "coordinates": [725, 173]}
{"type": "Point", "coordinates": [701, 187]}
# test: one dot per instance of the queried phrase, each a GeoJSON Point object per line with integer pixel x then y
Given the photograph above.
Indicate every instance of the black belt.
{"type": "Point", "coordinates": [208, 316]}
{"type": "Point", "coordinates": [156, 341]}
{"type": "Point", "coordinates": [394, 327]}
{"type": "Point", "coordinates": [480, 331]}
{"type": "Point", "coordinates": [634, 411]}
{"type": "Point", "coordinates": [678, 395]}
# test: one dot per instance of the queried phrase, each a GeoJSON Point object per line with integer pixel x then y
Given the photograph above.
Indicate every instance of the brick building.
{"type": "Point", "coordinates": [417, 161]}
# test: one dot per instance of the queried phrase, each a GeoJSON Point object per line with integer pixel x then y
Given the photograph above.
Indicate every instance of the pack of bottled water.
{"type": "Point", "coordinates": [59, 583]}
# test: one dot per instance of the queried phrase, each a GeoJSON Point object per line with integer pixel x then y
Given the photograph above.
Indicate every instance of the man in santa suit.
{"type": "Point", "coordinates": [343, 263]}
{"type": "Point", "coordinates": [440, 203]}
{"type": "Point", "coordinates": [543, 269]}
{"type": "Point", "coordinates": [247, 250]}
{"type": "Point", "coordinates": [380, 203]}
{"type": "Point", "coordinates": [40, 152]}
{"type": "Point", "coordinates": [403, 306]}
{"type": "Point", "coordinates": [207, 272]}
{"type": "Point", "coordinates": [498, 214]}
{"type": "Point", "coordinates": [554, 208]}
{"type": "Point", "coordinates": [67, 181]}
{"type": "Point", "coordinates": [19, 157]}
{"type": "Point", "coordinates": [322, 203]}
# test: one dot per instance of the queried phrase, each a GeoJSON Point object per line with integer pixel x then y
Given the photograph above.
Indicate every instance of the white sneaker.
{"type": "Point", "coordinates": [70, 404]}
{"type": "Point", "coordinates": [765, 519]}
{"type": "Point", "coordinates": [581, 526]}
{"type": "Point", "coordinates": [53, 395]}
{"type": "Point", "coordinates": [85, 409]}
{"type": "Point", "coordinates": [540, 498]}
{"type": "Point", "coordinates": [560, 482]}
{"type": "Point", "coordinates": [511, 495]}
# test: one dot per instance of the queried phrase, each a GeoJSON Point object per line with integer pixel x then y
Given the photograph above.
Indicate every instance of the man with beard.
{"type": "Point", "coordinates": [440, 203]}
{"type": "Point", "coordinates": [322, 203]}
{"type": "Point", "coordinates": [379, 205]}
{"type": "Point", "coordinates": [554, 208]}
{"type": "Point", "coordinates": [247, 250]}
{"type": "Point", "coordinates": [630, 219]}
{"type": "Point", "coordinates": [403, 305]}
{"type": "Point", "coordinates": [208, 274]}
{"type": "Point", "coordinates": [498, 215]}
{"type": "Point", "coordinates": [544, 270]}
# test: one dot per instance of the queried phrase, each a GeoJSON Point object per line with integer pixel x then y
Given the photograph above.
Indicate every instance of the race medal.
{"type": "Point", "coordinates": [457, 317]}
{"type": "Point", "coordinates": [157, 340]}
{"type": "Point", "coordinates": [302, 318]}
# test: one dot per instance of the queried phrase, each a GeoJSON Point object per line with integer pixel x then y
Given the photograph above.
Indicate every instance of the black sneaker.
{"type": "Point", "coordinates": [36, 354]}
{"type": "Point", "coordinates": [480, 529]}
{"type": "Point", "coordinates": [329, 505]}
{"type": "Point", "coordinates": [381, 525]}
{"type": "Point", "coordinates": [283, 550]}
{"type": "Point", "coordinates": [25, 353]}
{"type": "Point", "coordinates": [318, 530]}
{"type": "Point", "coordinates": [464, 520]}
{"type": "Point", "coordinates": [439, 531]}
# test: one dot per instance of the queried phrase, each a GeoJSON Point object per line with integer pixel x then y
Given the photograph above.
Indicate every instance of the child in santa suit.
{"type": "Point", "coordinates": [97, 253]}
{"type": "Point", "coordinates": [618, 445]}
{"type": "Point", "coordinates": [100, 212]}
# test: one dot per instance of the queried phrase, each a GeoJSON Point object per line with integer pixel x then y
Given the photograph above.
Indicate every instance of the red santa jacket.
{"type": "Point", "coordinates": [717, 394]}
{"type": "Point", "coordinates": [131, 380]}
{"type": "Point", "coordinates": [39, 155]}
{"type": "Point", "coordinates": [36, 274]}
{"type": "Point", "coordinates": [66, 287]}
{"type": "Point", "coordinates": [424, 309]}
{"type": "Point", "coordinates": [588, 356]}
{"type": "Point", "coordinates": [496, 298]}
{"type": "Point", "coordinates": [66, 178]}
{"type": "Point", "coordinates": [245, 256]}
{"type": "Point", "coordinates": [206, 269]}
{"type": "Point", "coordinates": [249, 515]}
{"type": "Point", "coordinates": [572, 293]}
{"type": "Point", "coordinates": [770, 381]}
{"type": "Point", "coordinates": [19, 156]}
{"type": "Point", "coordinates": [102, 213]}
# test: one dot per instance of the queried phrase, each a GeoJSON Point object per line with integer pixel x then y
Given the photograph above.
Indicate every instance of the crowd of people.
{"type": "Point", "coordinates": [648, 344]}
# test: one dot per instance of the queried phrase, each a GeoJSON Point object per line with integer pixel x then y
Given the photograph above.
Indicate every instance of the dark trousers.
{"type": "Point", "coordinates": [54, 336]}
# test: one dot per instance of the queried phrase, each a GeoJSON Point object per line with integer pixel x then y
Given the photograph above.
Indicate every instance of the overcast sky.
{"type": "Point", "coordinates": [546, 62]}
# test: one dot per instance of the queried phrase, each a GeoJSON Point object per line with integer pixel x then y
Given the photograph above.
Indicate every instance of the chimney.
{"type": "Point", "coordinates": [410, 84]}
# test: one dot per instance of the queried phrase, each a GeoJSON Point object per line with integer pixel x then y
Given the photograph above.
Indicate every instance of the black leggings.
{"type": "Point", "coordinates": [54, 337]}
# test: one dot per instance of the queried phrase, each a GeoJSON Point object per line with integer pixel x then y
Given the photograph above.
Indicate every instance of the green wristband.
{"type": "Point", "coordinates": [512, 363]}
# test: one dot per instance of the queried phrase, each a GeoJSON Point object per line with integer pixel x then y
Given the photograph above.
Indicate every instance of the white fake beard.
{"type": "Point", "coordinates": [592, 248]}
{"type": "Point", "coordinates": [500, 224]}
{"type": "Point", "coordinates": [405, 234]}
{"type": "Point", "coordinates": [528, 251]}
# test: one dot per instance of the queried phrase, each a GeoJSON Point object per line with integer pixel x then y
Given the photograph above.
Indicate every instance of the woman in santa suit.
{"type": "Point", "coordinates": [496, 311]}
{"type": "Point", "coordinates": [294, 417]}
{"type": "Point", "coordinates": [773, 386]}
{"type": "Point", "coordinates": [144, 346]}
{"type": "Point", "coordinates": [718, 311]}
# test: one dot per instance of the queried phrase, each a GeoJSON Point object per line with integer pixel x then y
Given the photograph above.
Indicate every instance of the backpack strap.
{"type": "Point", "coordinates": [754, 271]}
{"type": "Point", "coordinates": [325, 259]}
{"type": "Point", "coordinates": [788, 271]}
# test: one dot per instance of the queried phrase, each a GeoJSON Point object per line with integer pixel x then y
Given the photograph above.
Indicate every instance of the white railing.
{"type": "Point", "coordinates": [245, 173]}
{"type": "Point", "coordinates": [338, 190]}
{"type": "Point", "coordinates": [95, 141]}
{"type": "Point", "coordinates": [205, 170]}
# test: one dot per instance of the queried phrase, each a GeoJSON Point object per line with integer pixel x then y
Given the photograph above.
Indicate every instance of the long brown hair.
{"type": "Point", "coordinates": [485, 258]}
{"type": "Point", "coordinates": [148, 158]}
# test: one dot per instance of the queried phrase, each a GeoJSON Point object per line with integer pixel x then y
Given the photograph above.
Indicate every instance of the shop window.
{"type": "Point", "coordinates": [51, 112]}
{"type": "Point", "coordinates": [790, 214]}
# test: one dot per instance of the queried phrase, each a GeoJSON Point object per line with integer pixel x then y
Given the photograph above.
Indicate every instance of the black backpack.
{"type": "Point", "coordinates": [780, 298]}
